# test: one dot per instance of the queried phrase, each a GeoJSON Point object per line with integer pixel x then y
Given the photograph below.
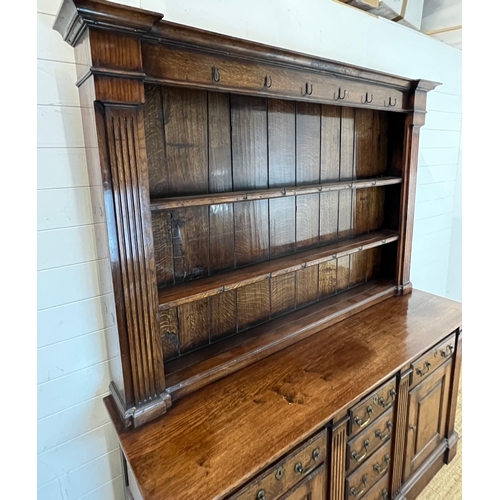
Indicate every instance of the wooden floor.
{"type": "Point", "coordinates": [447, 485]}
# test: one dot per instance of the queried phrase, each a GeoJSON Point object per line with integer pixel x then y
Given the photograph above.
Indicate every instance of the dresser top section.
{"type": "Point", "coordinates": [75, 16]}
{"type": "Point", "coordinates": [214, 440]}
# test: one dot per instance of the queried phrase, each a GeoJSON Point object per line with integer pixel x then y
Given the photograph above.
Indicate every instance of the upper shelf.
{"type": "Point", "coordinates": [176, 295]}
{"type": "Point", "coordinates": [263, 194]}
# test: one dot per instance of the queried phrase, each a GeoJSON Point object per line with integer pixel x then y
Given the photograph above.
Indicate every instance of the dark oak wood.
{"type": "Point", "coordinates": [452, 436]}
{"type": "Point", "coordinates": [400, 430]}
{"type": "Point", "coordinates": [127, 160]}
{"type": "Point", "coordinates": [219, 154]}
{"type": "Point", "coordinates": [361, 447]}
{"type": "Point", "coordinates": [427, 412]}
{"type": "Point", "coordinates": [313, 487]}
{"type": "Point", "coordinates": [281, 192]}
{"type": "Point", "coordinates": [173, 296]}
{"type": "Point", "coordinates": [371, 408]}
{"type": "Point", "coordinates": [186, 140]}
{"type": "Point", "coordinates": [221, 228]}
{"type": "Point", "coordinates": [223, 318]}
{"type": "Point", "coordinates": [251, 232]}
{"type": "Point", "coordinates": [249, 139]}
{"type": "Point", "coordinates": [427, 364]}
{"type": "Point", "coordinates": [308, 382]}
{"type": "Point", "coordinates": [169, 328]}
{"type": "Point", "coordinates": [367, 475]}
{"type": "Point", "coordinates": [379, 491]}
{"type": "Point", "coordinates": [259, 206]}
{"type": "Point", "coordinates": [199, 368]}
{"type": "Point", "coordinates": [283, 476]}
{"type": "Point", "coordinates": [190, 237]}
{"type": "Point", "coordinates": [338, 460]}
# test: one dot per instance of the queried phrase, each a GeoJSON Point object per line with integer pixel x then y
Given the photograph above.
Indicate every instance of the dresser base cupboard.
{"type": "Point", "coordinates": [259, 208]}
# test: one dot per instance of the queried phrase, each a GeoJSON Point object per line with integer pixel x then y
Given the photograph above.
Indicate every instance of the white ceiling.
{"type": "Point", "coordinates": [442, 19]}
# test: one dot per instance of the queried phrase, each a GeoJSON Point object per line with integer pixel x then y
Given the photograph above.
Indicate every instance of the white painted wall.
{"type": "Point", "coordinates": [443, 14]}
{"type": "Point", "coordinates": [77, 452]}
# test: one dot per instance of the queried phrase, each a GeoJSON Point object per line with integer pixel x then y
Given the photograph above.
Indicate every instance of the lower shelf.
{"type": "Point", "coordinates": [200, 368]}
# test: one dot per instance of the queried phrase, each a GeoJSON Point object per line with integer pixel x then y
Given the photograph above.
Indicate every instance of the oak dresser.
{"type": "Point", "coordinates": [259, 209]}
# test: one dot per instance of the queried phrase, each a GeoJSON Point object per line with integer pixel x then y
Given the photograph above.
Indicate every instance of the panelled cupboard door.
{"type": "Point", "coordinates": [428, 407]}
{"type": "Point", "coordinates": [313, 487]}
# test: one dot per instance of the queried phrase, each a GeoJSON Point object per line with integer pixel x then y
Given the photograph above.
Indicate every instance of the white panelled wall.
{"type": "Point", "coordinates": [78, 455]}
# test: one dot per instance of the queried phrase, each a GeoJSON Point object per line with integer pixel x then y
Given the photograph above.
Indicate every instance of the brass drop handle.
{"type": "Point", "coordinates": [355, 454]}
{"type": "Point", "coordinates": [378, 469]}
{"type": "Point", "coordinates": [385, 495]}
{"type": "Point", "coordinates": [378, 432]}
{"type": "Point", "coordinates": [425, 370]}
{"type": "Point", "coordinates": [360, 492]}
{"type": "Point", "coordinates": [301, 470]}
{"type": "Point", "coordinates": [381, 401]}
{"type": "Point", "coordinates": [448, 351]}
{"type": "Point", "coordinates": [360, 422]}
{"type": "Point", "coordinates": [261, 495]}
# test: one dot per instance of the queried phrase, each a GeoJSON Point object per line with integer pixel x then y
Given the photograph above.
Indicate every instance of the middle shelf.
{"type": "Point", "coordinates": [265, 194]}
{"type": "Point", "coordinates": [175, 295]}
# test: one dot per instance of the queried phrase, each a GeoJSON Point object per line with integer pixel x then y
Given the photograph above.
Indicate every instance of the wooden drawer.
{"type": "Point", "coordinates": [380, 491]}
{"type": "Point", "coordinates": [370, 408]}
{"type": "Point", "coordinates": [279, 479]}
{"type": "Point", "coordinates": [313, 487]}
{"type": "Point", "coordinates": [360, 482]}
{"type": "Point", "coordinates": [432, 360]}
{"type": "Point", "coordinates": [366, 443]}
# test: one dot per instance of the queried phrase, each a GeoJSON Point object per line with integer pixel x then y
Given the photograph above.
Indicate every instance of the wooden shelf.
{"type": "Point", "coordinates": [199, 368]}
{"type": "Point", "coordinates": [234, 196]}
{"type": "Point", "coordinates": [176, 295]}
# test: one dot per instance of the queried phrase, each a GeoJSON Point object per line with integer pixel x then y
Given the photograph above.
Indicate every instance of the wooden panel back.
{"type": "Point", "coordinates": [202, 142]}
{"type": "Point", "coordinates": [234, 311]}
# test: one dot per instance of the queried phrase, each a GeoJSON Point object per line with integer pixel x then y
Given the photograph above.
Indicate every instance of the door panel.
{"type": "Point", "coordinates": [428, 405]}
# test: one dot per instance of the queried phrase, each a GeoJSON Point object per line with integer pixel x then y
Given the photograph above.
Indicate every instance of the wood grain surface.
{"type": "Point", "coordinates": [216, 433]}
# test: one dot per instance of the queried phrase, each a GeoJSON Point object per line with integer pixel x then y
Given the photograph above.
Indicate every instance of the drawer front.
{"type": "Point", "coordinates": [279, 479]}
{"type": "Point", "coordinates": [311, 488]}
{"type": "Point", "coordinates": [380, 491]}
{"type": "Point", "coordinates": [366, 443]}
{"type": "Point", "coordinates": [432, 360]}
{"type": "Point", "coordinates": [360, 482]}
{"type": "Point", "coordinates": [368, 410]}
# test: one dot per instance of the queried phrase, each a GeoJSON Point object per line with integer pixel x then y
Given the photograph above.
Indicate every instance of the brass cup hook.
{"type": "Point", "coordinates": [268, 81]}
{"type": "Point", "coordinates": [215, 74]}
{"type": "Point", "coordinates": [366, 101]}
{"type": "Point", "coordinates": [337, 97]}
{"type": "Point", "coordinates": [391, 104]}
{"type": "Point", "coordinates": [309, 89]}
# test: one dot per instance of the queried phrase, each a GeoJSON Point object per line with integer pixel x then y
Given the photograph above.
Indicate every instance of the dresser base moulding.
{"type": "Point", "coordinates": [451, 451]}
{"type": "Point", "coordinates": [416, 483]}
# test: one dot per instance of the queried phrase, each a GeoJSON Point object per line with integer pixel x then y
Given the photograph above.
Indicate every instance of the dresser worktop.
{"type": "Point", "coordinates": [213, 441]}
